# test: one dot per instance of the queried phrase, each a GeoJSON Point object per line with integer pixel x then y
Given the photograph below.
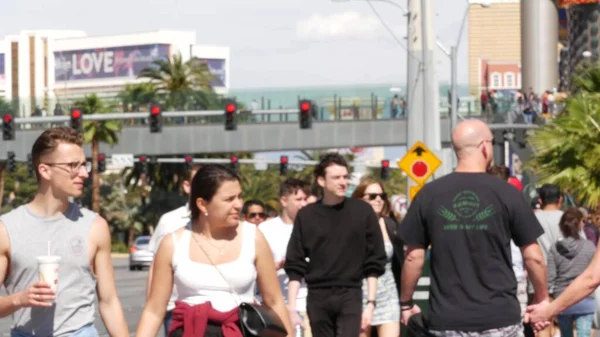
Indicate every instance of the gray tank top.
{"type": "Point", "coordinates": [68, 234]}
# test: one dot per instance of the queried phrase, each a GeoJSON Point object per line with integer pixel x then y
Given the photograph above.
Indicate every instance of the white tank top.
{"type": "Point", "coordinates": [198, 283]}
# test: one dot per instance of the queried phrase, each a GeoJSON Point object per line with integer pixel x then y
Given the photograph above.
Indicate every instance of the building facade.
{"type": "Point", "coordinates": [39, 69]}
{"type": "Point", "coordinates": [494, 43]}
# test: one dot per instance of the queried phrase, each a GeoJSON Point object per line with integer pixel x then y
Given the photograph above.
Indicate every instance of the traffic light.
{"type": "Point", "coordinates": [155, 119]}
{"type": "Point", "coordinates": [283, 165]}
{"type": "Point", "coordinates": [143, 164]}
{"type": "Point", "coordinates": [235, 164]}
{"type": "Point", "coordinates": [11, 164]}
{"type": "Point", "coordinates": [385, 169]}
{"type": "Point", "coordinates": [189, 161]}
{"type": "Point", "coordinates": [8, 127]}
{"type": "Point", "coordinates": [76, 122]}
{"type": "Point", "coordinates": [29, 164]}
{"type": "Point", "coordinates": [230, 111]}
{"type": "Point", "coordinates": [101, 163]}
{"type": "Point", "coordinates": [305, 116]}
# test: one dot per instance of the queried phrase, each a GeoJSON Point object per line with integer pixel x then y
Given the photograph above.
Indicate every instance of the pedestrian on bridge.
{"type": "Point", "coordinates": [51, 225]}
{"type": "Point", "coordinates": [469, 218]}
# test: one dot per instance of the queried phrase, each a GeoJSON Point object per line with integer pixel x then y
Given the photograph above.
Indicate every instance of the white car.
{"type": "Point", "coordinates": [139, 254]}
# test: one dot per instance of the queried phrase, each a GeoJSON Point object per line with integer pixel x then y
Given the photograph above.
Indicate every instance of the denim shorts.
{"type": "Point", "coordinates": [86, 331]}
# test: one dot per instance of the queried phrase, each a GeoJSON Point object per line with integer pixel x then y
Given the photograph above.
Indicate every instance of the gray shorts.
{"type": "Point", "coordinates": [509, 331]}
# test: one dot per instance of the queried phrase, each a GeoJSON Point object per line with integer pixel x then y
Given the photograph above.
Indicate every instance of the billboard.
{"type": "Point", "coordinates": [2, 71]}
{"type": "Point", "coordinates": [217, 67]}
{"type": "Point", "coordinates": [563, 25]}
{"type": "Point", "coordinates": [567, 3]}
{"type": "Point", "coordinates": [103, 63]}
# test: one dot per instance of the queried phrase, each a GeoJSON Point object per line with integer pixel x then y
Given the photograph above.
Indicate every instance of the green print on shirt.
{"type": "Point", "coordinates": [466, 206]}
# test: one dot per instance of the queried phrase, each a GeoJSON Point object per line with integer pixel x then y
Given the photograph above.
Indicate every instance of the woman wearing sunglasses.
{"type": "Point", "coordinates": [386, 316]}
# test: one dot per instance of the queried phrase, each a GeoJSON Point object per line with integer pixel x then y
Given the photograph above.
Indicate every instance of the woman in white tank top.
{"type": "Point", "coordinates": [215, 262]}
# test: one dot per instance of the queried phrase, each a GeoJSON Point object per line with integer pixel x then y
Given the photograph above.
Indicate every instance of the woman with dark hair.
{"type": "Point", "coordinates": [568, 258]}
{"type": "Point", "coordinates": [215, 263]}
{"type": "Point", "coordinates": [386, 316]}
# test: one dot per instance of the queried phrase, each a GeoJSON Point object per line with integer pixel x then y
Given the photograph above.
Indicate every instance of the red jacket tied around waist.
{"type": "Point", "coordinates": [194, 319]}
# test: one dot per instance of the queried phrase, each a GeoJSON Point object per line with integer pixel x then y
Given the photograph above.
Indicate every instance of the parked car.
{"type": "Point", "coordinates": [139, 254]}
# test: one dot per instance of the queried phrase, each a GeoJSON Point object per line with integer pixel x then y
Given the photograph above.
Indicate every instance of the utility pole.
{"type": "Point", "coordinates": [414, 83]}
{"type": "Point", "coordinates": [431, 115]}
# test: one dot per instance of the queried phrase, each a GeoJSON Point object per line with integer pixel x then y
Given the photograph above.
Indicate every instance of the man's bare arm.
{"type": "Point", "coordinates": [411, 271]}
{"type": "Point", "coordinates": [36, 295]}
{"type": "Point", "coordinates": [536, 270]}
{"type": "Point", "coordinates": [108, 301]}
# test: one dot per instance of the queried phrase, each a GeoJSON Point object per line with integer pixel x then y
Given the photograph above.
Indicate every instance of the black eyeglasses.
{"type": "Point", "coordinates": [373, 196]}
{"type": "Point", "coordinates": [259, 215]}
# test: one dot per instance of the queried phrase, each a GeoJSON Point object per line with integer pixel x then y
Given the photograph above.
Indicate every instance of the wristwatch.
{"type": "Point", "coordinates": [372, 302]}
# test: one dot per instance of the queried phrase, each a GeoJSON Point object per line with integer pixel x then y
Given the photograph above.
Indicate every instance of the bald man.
{"type": "Point", "coordinates": [469, 218]}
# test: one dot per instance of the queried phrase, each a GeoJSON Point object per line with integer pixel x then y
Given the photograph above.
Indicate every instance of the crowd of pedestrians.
{"type": "Point", "coordinates": [323, 266]}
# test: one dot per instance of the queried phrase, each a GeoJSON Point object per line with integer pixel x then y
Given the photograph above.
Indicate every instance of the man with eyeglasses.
{"type": "Point", "coordinates": [468, 218]}
{"type": "Point", "coordinates": [253, 212]}
{"type": "Point", "coordinates": [51, 225]}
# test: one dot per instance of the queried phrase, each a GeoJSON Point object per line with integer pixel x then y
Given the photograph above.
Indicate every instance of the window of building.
{"type": "Point", "coordinates": [509, 80]}
{"type": "Point", "coordinates": [495, 81]}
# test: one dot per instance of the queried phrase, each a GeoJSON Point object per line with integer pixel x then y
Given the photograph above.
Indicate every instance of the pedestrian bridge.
{"type": "Point", "coordinates": [256, 132]}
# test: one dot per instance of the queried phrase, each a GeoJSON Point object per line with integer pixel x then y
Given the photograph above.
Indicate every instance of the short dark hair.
{"type": "Point", "coordinates": [187, 175]}
{"type": "Point", "coordinates": [499, 171]}
{"type": "Point", "coordinates": [328, 159]}
{"type": "Point", "coordinates": [570, 223]}
{"type": "Point", "coordinates": [292, 185]}
{"type": "Point", "coordinates": [549, 194]}
{"type": "Point", "coordinates": [250, 203]}
{"type": "Point", "coordinates": [49, 140]}
{"type": "Point", "coordinates": [207, 182]}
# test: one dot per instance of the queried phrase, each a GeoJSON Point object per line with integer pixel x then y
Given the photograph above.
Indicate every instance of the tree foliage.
{"type": "Point", "coordinates": [567, 150]}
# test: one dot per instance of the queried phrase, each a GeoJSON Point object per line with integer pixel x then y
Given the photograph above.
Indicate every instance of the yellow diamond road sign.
{"type": "Point", "coordinates": [413, 191]}
{"type": "Point", "coordinates": [419, 163]}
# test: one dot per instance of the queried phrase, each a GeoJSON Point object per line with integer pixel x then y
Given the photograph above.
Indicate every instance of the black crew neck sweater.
{"type": "Point", "coordinates": [343, 244]}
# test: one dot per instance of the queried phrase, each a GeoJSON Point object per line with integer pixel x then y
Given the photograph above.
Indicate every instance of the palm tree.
{"type": "Point", "coordinates": [182, 83]}
{"type": "Point", "coordinates": [567, 151]}
{"type": "Point", "coordinates": [137, 95]}
{"type": "Point", "coordinates": [587, 78]}
{"type": "Point", "coordinates": [95, 132]}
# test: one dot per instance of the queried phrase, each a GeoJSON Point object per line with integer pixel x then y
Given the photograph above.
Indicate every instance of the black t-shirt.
{"type": "Point", "coordinates": [469, 220]}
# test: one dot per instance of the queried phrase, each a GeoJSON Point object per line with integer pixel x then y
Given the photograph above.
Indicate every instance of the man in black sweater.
{"type": "Point", "coordinates": [335, 243]}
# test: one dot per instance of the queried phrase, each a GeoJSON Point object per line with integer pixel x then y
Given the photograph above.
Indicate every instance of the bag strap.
{"type": "Point", "coordinates": [232, 291]}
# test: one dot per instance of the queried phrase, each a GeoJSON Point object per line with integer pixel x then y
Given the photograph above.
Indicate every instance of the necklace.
{"type": "Point", "coordinates": [220, 249]}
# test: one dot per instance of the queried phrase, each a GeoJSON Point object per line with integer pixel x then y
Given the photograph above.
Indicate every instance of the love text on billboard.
{"type": "Point", "coordinates": [103, 63]}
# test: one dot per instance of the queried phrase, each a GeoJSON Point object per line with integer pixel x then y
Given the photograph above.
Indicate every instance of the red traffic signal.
{"type": "Point", "coordinates": [100, 157]}
{"type": "Point", "coordinates": [234, 159]}
{"type": "Point", "coordinates": [142, 158]}
{"type": "Point", "coordinates": [283, 159]}
{"type": "Point", "coordinates": [7, 118]}
{"type": "Point", "coordinates": [155, 110]}
{"type": "Point", "coordinates": [188, 159]}
{"type": "Point", "coordinates": [385, 163]}
{"type": "Point", "coordinates": [304, 106]}
{"type": "Point", "coordinates": [230, 108]}
{"type": "Point", "coordinates": [76, 113]}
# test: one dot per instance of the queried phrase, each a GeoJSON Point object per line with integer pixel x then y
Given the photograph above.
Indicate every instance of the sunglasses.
{"type": "Point", "coordinates": [259, 215]}
{"type": "Point", "coordinates": [373, 196]}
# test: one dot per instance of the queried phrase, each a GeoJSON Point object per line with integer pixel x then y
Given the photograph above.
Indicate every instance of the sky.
{"type": "Point", "coordinates": [274, 43]}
